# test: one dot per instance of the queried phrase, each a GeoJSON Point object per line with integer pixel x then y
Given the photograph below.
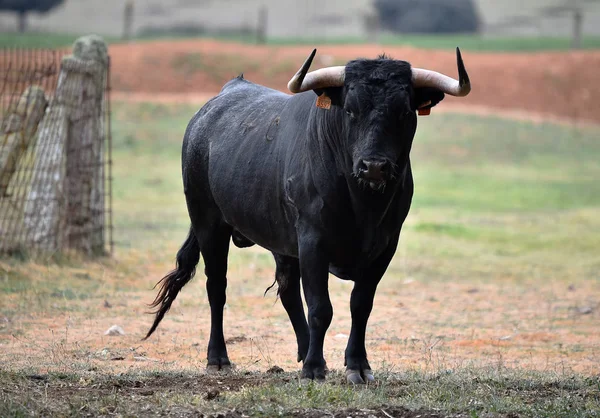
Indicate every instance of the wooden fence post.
{"type": "Point", "coordinates": [577, 28]}
{"type": "Point", "coordinates": [45, 202]}
{"type": "Point", "coordinates": [127, 20]}
{"type": "Point", "coordinates": [20, 127]}
{"type": "Point", "coordinates": [19, 131]}
{"type": "Point", "coordinates": [66, 205]}
{"type": "Point", "coordinates": [261, 26]}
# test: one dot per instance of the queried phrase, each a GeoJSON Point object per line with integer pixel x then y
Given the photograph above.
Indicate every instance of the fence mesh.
{"type": "Point", "coordinates": [55, 147]}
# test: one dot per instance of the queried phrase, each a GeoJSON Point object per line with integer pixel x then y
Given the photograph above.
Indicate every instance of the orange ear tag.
{"type": "Point", "coordinates": [423, 110]}
{"type": "Point", "coordinates": [324, 101]}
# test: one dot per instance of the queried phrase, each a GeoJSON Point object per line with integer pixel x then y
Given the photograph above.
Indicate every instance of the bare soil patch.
{"type": "Point", "coordinates": [439, 324]}
{"type": "Point", "coordinates": [560, 84]}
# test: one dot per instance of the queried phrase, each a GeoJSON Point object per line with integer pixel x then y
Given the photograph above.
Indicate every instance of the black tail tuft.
{"type": "Point", "coordinates": [170, 285]}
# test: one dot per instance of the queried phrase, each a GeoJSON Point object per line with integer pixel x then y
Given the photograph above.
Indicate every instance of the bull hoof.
{"type": "Point", "coordinates": [314, 373]}
{"type": "Point", "coordinates": [221, 366]}
{"type": "Point", "coordinates": [359, 377]}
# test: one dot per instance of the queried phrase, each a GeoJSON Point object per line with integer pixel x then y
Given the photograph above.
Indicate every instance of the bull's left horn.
{"type": "Point", "coordinates": [428, 78]}
{"type": "Point", "coordinates": [319, 79]}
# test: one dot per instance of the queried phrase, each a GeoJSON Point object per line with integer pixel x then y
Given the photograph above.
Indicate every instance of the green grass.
{"type": "Point", "coordinates": [466, 42]}
{"type": "Point", "coordinates": [517, 197]}
{"type": "Point", "coordinates": [469, 391]}
{"type": "Point", "coordinates": [484, 186]}
{"type": "Point", "coordinates": [149, 204]}
{"type": "Point", "coordinates": [489, 164]}
{"type": "Point", "coordinates": [39, 40]}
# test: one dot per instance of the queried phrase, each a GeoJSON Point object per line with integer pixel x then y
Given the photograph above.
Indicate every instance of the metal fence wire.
{"type": "Point", "coordinates": [55, 153]}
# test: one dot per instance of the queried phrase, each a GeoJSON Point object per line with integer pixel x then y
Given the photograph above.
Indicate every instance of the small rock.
{"type": "Point", "coordinates": [115, 330]}
{"type": "Point", "coordinates": [473, 290]}
{"type": "Point", "coordinates": [107, 304]}
{"type": "Point", "coordinates": [141, 358]}
{"type": "Point", "coordinates": [585, 310]}
{"type": "Point", "coordinates": [211, 394]}
{"type": "Point", "coordinates": [146, 392]}
{"type": "Point", "coordinates": [571, 288]}
{"type": "Point", "coordinates": [275, 370]}
{"type": "Point", "coordinates": [341, 336]}
{"type": "Point", "coordinates": [118, 358]}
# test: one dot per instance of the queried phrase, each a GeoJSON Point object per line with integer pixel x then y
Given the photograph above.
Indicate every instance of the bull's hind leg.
{"type": "Point", "coordinates": [214, 254]}
{"type": "Point", "coordinates": [314, 271]}
{"type": "Point", "coordinates": [287, 274]}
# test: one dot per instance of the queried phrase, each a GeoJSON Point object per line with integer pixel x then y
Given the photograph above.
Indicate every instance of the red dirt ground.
{"type": "Point", "coordinates": [437, 325]}
{"type": "Point", "coordinates": [561, 85]}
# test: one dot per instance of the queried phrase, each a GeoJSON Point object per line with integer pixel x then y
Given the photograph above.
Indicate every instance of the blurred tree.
{"type": "Point", "coordinates": [428, 16]}
{"type": "Point", "coordinates": [22, 7]}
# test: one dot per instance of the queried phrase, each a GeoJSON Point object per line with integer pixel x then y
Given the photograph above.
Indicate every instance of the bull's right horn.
{"type": "Point", "coordinates": [428, 78]}
{"type": "Point", "coordinates": [318, 79]}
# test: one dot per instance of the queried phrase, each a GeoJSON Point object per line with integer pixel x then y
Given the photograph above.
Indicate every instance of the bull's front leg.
{"type": "Point", "coordinates": [358, 370]}
{"type": "Point", "coordinates": [314, 270]}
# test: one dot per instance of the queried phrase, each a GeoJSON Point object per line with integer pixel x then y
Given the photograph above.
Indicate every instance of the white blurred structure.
{"type": "Point", "coordinates": [295, 18]}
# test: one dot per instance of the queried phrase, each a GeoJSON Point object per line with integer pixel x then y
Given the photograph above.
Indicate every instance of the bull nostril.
{"type": "Point", "coordinates": [363, 166]}
{"type": "Point", "coordinates": [374, 170]}
{"type": "Point", "coordinates": [375, 165]}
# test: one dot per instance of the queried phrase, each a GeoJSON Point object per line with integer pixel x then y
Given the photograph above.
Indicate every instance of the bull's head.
{"type": "Point", "coordinates": [378, 100]}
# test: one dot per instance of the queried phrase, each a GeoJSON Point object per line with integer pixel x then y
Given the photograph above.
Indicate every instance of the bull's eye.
{"type": "Point", "coordinates": [350, 113]}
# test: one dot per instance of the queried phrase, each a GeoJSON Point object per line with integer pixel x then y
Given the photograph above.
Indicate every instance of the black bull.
{"type": "Point", "coordinates": [326, 190]}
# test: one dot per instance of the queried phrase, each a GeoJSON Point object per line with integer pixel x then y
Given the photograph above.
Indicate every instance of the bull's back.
{"type": "Point", "coordinates": [234, 136]}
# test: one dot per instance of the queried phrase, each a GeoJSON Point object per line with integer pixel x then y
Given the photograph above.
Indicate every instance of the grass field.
{"type": "Point", "coordinates": [494, 291]}
{"type": "Point", "coordinates": [37, 40]}
{"type": "Point", "coordinates": [467, 42]}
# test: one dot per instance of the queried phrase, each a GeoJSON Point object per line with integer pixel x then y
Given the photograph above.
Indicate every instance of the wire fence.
{"type": "Point", "coordinates": [55, 153]}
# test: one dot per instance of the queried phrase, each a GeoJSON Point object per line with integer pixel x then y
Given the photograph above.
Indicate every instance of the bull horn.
{"type": "Point", "coordinates": [428, 78]}
{"type": "Point", "coordinates": [319, 79]}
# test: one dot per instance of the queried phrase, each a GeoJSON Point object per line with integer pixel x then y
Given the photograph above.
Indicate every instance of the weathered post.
{"type": "Point", "coordinates": [261, 27]}
{"type": "Point", "coordinates": [20, 127]}
{"type": "Point", "coordinates": [371, 22]}
{"type": "Point", "coordinates": [66, 205]}
{"type": "Point", "coordinates": [577, 27]}
{"type": "Point", "coordinates": [18, 135]}
{"type": "Point", "coordinates": [85, 188]}
{"type": "Point", "coordinates": [127, 20]}
{"type": "Point", "coordinates": [44, 210]}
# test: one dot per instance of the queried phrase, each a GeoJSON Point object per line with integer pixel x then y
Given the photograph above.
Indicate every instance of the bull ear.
{"type": "Point", "coordinates": [427, 97]}
{"type": "Point", "coordinates": [334, 93]}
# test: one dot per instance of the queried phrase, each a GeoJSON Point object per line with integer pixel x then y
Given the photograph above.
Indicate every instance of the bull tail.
{"type": "Point", "coordinates": [188, 257]}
